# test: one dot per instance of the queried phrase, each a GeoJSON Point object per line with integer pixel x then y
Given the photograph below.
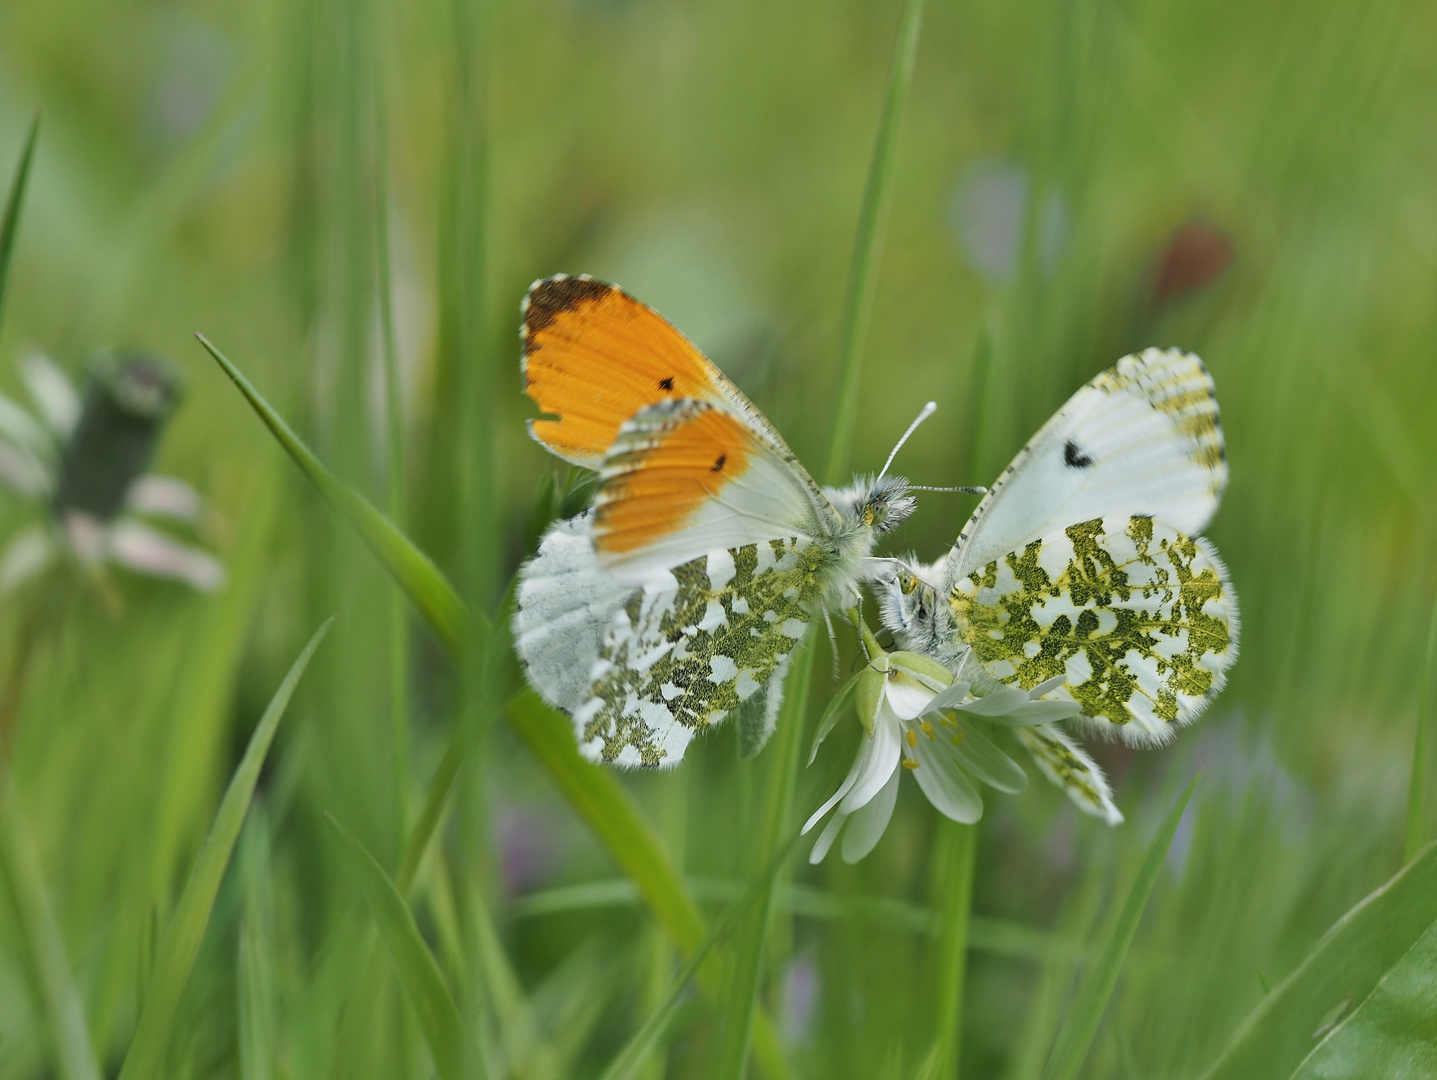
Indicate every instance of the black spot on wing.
{"type": "Point", "coordinates": [666, 383]}
{"type": "Point", "coordinates": [719, 464]}
{"type": "Point", "coordinates": [1075, 458]}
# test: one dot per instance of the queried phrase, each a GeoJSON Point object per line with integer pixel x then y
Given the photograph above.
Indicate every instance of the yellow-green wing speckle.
{"type": "Point", "coordinates": [1139, 619]}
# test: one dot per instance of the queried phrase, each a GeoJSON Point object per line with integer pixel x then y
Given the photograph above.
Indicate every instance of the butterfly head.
{"type": "Point", "coordinates": [879, 505]}
{"type": "Point", "coordinates": [909, 604]}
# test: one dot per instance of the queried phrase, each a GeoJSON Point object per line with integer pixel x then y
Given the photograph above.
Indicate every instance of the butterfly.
{"type": "Point", "coordinates": [1084, 566]}
{"type": "Point", "coordinates": [677, 599]}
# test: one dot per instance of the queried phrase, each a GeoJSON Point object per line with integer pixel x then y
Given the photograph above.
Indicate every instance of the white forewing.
{"type": "Point", "coordinates": [1140, 439]}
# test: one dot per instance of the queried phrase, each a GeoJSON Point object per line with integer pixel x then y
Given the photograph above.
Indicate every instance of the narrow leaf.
{"type": "Point", "coordinates": [960, 849]}
{"type": "Point", "coordinates": [453, 1050]}
{"type": "Point", "coordinates": [1418, 828]}
{"type": "Point", "coordinates": [64, 1011]}
{"type": "Point", "coordinates": [863, 270]}
{"type": "Point", "coordinates": [1091, 1001]}
{"type": "Point", "coordinates": [411, 568]}
{"type": "Point", "coordinates": [597, 795]}
{"type": "Point", "coordinates": [1393, 1032]}
{"type": "Point", "coordinates": [187, 926]}
{"type": "Point", "coordinates": [647, 1038]}
{"type": "Point", "coordinates": [832, 713]}
{"type": "Point", "coordinates": [610, 812]}
{"type": "Point", "coordinates": [1363, 954]}
{"type": "Point", "coordinates": [10, 219]}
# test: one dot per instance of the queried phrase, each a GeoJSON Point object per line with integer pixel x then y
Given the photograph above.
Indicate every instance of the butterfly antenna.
{"type": "Point", "coordinates": [960, 490]}
{"type": "Point", "coordinates": [923, 415]}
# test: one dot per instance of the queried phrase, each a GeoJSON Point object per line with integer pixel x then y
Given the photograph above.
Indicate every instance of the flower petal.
{"type": "Point", "coordinates": [826, 839]}
{"type": "Point", "coordinates": [149, 551]}
{"type": "Point", "coordinates": [1063, 762]}
{"type": "Point", "coordinates": [165, 496]}
{"type": "Point", "coordinates": [22, 471]}
{"type": "Point", "coordinates": [52, 391]}
{"type": "Point", "coordinates": [943, 782]}
{"type": "Point", "coordinates": [950, 698]}
{"type": "Point", "coordinates": [877, 760]}
{"type": "Point", "coordinates": [21, 428]}
{"type": "Point", "coordinates": [907, 698]}
{"type": "Point", "coordinates": [1004, 700]}
{"type": "Point", "coordinates": [865, 828]}
{"type": "Point", "coordinates": [30, 550]}
{"type": "Point", "coordinates": [1042, 712]}
{"type": "Point", "coordinates": [980, 757]}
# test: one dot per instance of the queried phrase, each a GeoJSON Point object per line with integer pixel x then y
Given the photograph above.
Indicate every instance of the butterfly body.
{"type": "Point", "coordinates": [677, 601]}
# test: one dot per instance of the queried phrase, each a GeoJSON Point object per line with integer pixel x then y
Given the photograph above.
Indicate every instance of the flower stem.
{"type": "Point", "coordinates": [959, 849]}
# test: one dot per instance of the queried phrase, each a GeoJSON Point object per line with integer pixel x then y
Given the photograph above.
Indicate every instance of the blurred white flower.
{"type": "Point", "coordinates": [84, 460]}
{"type": "Point", "coordinates": [918, 720]}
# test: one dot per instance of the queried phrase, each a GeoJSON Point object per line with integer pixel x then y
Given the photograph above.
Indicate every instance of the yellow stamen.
{"type": "Point", "coordinates": [911, 736]}
{"type": "Point", "coordinates": [909, 763]}
{"type": "Point", "coordinates": [927, 729]}
{"type": "Point", "coordinates": [956, 739]}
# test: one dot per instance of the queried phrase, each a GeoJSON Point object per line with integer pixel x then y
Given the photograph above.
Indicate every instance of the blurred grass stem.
{"type": "Point", "coordinates": [1419, 828]}
{"type": "Point", "coordinates": [745, 980]}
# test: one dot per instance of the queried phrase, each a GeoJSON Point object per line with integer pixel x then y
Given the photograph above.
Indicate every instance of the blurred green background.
{"type": "Point", "coordinates": [1073, 181]}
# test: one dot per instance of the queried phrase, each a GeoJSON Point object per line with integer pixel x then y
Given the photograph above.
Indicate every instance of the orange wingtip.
{"type": "Point", "coordinates": [594, 356]}
{"type": "Point", "coordinates": [663, 485]}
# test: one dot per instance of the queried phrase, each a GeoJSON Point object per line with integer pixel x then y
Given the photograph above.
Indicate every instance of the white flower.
{"type": "Point", "coordinates": [72, 457]}
{"type": "Point", "coordinates": [917, 720]}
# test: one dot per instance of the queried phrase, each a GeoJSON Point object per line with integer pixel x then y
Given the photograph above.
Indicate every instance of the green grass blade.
{"type": "Point", "coordinates": [411, 568]}
{"type": "Point", "coordinates": [609, 810]}
{"type": "Point", "coordinates": [394, 459]}
{"type": "Point", "coordinates": [1360, 954]}
{"type": "Point", "coordinates": [597, 795]}
{"type": "Point", "coordinates": [1418, 830]}
{"type": "Point", "coordinates": [1393, 1032]}
{"type": "Point", "coordinates": [744, 984]}
{"type": "Point", "coordinates": [454, 1051]}
{"type": "Point", "coordinates": [10, 220]}
{"type": "Point", "coordinates": [746, 974]}
{"type": "Point", "coordinates": [1081, 1024]}
{"type": "Point", "coordinates": [647, 1038]}
{"type": "Point", "coordinates": [863, 270]}
{"type": "Point", "coordinates": [961, 850]}
{"type": "Point", "coordinates": [64, 1011]}
{"type": "Point", "coordinates": [187, 926]}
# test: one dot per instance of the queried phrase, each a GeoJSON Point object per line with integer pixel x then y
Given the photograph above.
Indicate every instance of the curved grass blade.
{"type": "Point", "coordinates": [868, 243]}
{"type": "Point", "coordinates": [454, 1051]}
{"type": "Point", "coordinates": [187, 926]}
{"type": "Point", "coordinates": [411, 568]}
{"type": "Point", "coordinates": [960, 843]}
{"type": "Point", "coordinates": [646, 1039]}
{"type": "Point", "coordinates": [64, 1011]}
{"type": "Point", "coordinates": [1364, 959]}
{"type": "Point", "coordinates": [609, 810]}
{"type": "Point", "coordinates": [1081, 1024]}
{"type": "Point", "coordinates": [746, 974]}
{"type": "Point", "coordinates": [598, 796]}
{"type": "Point", "coordinates": [1393, 1032]}
{"type": "Point", "coordinates": [1418, 827]}
{"type": "Point", "coordinates": [10, 219]}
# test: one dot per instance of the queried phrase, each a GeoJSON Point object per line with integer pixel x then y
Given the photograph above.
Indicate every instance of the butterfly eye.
{"type": "Point", "coordinates": [907, 582]}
